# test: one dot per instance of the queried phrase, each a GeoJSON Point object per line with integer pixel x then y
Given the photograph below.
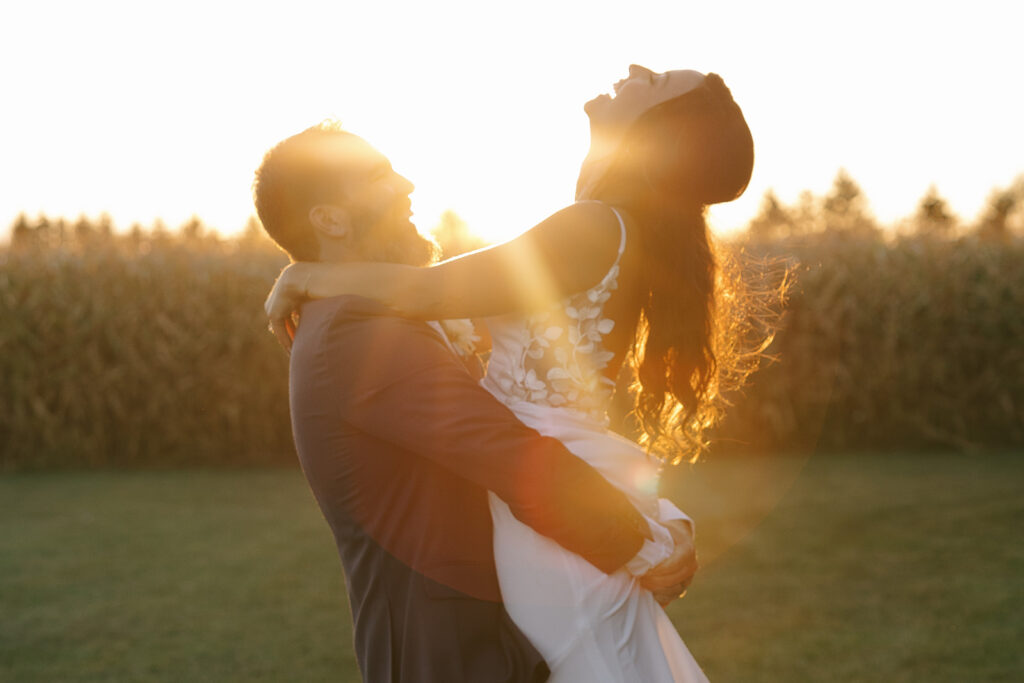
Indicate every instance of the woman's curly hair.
{"type": "Point", "coordinates": [704, 326]}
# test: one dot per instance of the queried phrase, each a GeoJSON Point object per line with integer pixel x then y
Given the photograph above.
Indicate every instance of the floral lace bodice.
{"type": "Point", "coordinates": [556, 357]}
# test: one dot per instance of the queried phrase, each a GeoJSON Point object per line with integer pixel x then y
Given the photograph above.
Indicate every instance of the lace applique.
{"type": "Point", "coordinates": [461, 335]}
{"type": "Point", "coordinates": [562, 357]}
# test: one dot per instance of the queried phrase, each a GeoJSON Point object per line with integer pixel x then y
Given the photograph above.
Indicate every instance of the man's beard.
{"type": "Point", "coordinates": [393, 240]}
{"type": "Point", "coordinates": [411, 249]}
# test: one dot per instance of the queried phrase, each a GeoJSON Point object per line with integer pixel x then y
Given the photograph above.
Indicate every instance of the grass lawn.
{"type": "Point", "coordinates": [834, 568]}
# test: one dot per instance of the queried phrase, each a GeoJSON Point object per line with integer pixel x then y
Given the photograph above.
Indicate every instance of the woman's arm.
{"type": "Point", "coordinates": [566, 253]}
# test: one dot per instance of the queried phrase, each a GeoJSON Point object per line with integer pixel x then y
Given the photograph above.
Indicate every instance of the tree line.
{"type": "Point", "coordinates": [844, 209]}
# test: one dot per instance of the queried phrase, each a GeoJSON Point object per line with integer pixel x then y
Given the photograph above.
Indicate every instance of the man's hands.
{"type": "Point", "coordinates": [670, 579]}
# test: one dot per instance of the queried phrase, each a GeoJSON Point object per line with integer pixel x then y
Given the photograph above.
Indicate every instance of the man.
{"type": "Point", "coordinates": [400, 444]}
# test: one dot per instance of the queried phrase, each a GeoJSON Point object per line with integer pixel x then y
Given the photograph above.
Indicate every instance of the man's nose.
{"type": "Point", "coordinates": [402, 185]}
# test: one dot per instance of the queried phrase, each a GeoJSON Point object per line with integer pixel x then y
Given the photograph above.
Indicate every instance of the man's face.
{"type": "Point", "coordinates": [376, 199]}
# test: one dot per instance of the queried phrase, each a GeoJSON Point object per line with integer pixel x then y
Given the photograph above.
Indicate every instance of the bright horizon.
{"type": "Point", "coordinates": [164, 113]}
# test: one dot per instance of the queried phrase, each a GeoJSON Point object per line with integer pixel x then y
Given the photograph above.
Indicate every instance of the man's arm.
{"type": "Point", "coordinates": [398, 382]}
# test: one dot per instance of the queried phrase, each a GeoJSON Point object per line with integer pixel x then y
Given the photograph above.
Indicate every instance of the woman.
{"type": "Point", "coordinates": [627, 272]}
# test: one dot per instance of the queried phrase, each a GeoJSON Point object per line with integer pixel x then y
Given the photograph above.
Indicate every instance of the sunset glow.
{"type": "Point", "coordinates": [144, 113]}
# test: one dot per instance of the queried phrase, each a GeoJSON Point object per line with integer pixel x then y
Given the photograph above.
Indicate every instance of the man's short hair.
{"type": "Point", "coordinates": [294, 176]}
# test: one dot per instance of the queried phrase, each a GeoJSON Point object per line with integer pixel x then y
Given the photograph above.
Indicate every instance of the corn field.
{"type": "Point", "coordinates": [153, 354]}
{"type": "Point", "coordinates": [153, 351]}
{"type": "Point", "coordinates": [912, 343]}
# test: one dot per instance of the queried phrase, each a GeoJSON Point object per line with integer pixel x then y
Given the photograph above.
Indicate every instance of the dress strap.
{"type": "Point", "coordinates": [622, 230]}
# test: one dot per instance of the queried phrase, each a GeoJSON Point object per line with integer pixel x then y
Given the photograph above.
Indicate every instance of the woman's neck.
{"type": "Point", "coordinates": [603, 144]}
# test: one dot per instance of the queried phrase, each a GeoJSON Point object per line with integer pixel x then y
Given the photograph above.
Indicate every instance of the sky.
{"type": "Point", "coordinates": [157, 109]}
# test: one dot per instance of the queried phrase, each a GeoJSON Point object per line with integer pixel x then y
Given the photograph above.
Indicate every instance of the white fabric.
{"type": "Point", "coordinates": [667, 511]}
{"type": "Point", "coordinates": [556, 357]}
{"type": "Point", "coordinates": [590, 627]}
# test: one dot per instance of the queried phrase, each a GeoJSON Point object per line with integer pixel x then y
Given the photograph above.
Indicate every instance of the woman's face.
{"type": "Point", "coordinates": [638, 92]}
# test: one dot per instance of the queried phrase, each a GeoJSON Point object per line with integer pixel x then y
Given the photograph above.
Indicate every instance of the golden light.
{"type": "Point", "coordinates": [166, 113]}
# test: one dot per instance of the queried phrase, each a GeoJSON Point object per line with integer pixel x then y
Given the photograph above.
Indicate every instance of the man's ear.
{"type": "Point", "coordinates": [333, 221]}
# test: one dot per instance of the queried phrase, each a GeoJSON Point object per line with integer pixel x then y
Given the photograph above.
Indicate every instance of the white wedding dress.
{"type": "Point", "coordinates": [589, 626]}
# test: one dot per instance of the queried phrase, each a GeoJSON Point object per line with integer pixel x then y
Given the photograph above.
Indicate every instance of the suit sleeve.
{"type": "Point", "coordinates": [397, 382]}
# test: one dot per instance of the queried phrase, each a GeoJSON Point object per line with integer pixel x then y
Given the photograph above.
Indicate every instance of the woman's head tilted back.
{"type": "Point", "coordinates": [676, 143]}
{"type": "Point", "coordinates": [696, 146]}
{"type": "Point", "coordinates": [676, 137]}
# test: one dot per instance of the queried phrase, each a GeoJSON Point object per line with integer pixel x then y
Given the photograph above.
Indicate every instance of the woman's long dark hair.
{"type": "Point", "coordinates": [692, 344]}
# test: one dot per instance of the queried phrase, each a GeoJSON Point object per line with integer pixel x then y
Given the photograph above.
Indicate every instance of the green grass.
{"type": "Point", "coordinates": [169, 576]}
{"type": "Point", "coordinates": [849, 568]}
{"type": "Point", "coordinates": [871, 568]}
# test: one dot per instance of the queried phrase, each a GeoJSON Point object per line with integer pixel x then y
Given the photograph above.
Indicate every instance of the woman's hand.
{"type": "Point", "coordinates": [282, 303]}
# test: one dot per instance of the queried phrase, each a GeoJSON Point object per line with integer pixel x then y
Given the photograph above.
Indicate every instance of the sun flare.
{"type": "Point", "coordinates": [166, 114]}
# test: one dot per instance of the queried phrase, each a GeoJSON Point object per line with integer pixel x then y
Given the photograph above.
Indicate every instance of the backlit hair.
{"type": "Point", "coordinates": [692, 342]}
{"type": "Point", "coordinates": [293, 177]}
